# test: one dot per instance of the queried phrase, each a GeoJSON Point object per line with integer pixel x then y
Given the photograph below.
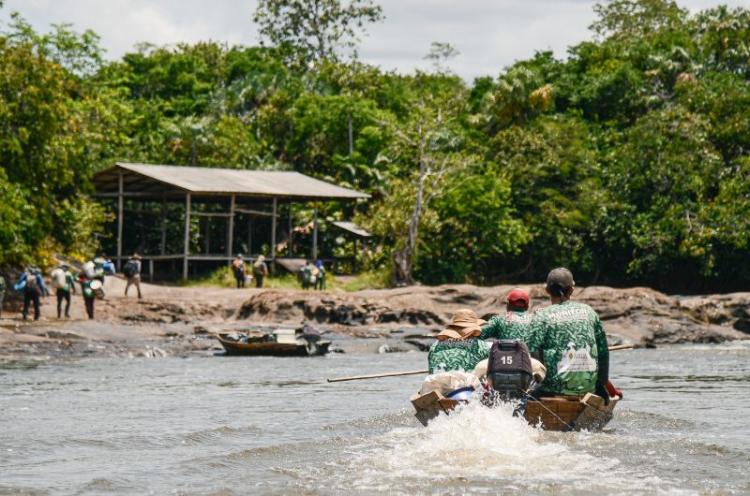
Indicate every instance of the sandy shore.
{"type": "Point", "coordinates": [179, 321]}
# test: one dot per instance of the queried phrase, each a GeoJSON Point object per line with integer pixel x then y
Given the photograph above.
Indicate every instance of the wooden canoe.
{"type": "Point", "coordinates": [272, 348]}
{"type": "Point", "coordinates": [557, 413]}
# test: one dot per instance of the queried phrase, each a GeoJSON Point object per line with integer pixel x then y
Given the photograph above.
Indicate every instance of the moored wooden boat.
{"type": "Point", "coordinates": [557, 413]}
{"type": "Point", "coordinates": [259, 347]}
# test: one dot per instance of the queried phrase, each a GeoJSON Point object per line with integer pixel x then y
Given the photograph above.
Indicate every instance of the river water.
{"type": "Point", "coordinates": [234, 425]}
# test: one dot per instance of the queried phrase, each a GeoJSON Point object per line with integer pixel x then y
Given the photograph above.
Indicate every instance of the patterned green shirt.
{"type": "Point", "coordinates": [454, 354]}
{"type": "Point", "coordinates": [573, 345]}
{"type": "Point", "coordinates": [514, 324]}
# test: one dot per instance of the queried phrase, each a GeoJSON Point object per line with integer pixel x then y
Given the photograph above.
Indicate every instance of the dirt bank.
{"type": "Point", "coordinates": [173, 320]}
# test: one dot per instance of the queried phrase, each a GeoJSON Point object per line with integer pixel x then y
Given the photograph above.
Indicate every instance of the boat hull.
{"type": "Point", "coordinates": [271, 348]}
{"type": "Point", "coordinates": [558, 413]}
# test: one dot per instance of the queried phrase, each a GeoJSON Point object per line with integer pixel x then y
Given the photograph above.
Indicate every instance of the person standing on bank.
{"type": "Point", "coordinates": [87, 292]}
{"type": "Point", "coordinates": [31, 283]}
{"type": "Point", "coordinates": [64, 285]}
{"type": "Point", "coordinates": [132, 270]}
{"type": "Point", "coordinates": [515, 323]}
{"type": "Point", "coordinates": [238, 268]}
{"type": "Point", "coordinates": [260, 271]}
{"type": "Point", "coordinates": [571, 342]}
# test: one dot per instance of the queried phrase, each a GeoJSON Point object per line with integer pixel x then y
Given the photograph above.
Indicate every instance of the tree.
{"type": "Point", "coordinates": [429, 147]}
{"type": "Point", "coordinates": [313, 30]}
{"type": "Point", "coordinates": [439, 55]}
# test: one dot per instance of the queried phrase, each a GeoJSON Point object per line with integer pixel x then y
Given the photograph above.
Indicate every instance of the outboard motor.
{"type": "Point", "coordinates": [509, 369]}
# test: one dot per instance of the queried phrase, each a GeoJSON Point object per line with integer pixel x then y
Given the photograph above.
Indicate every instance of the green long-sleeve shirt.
{"type": "Point", "coordinates": [513, 324]}
{"type": "Point", "coordinates": [453, 354]}
{"type": "Point", "coordinates": [573, 346]}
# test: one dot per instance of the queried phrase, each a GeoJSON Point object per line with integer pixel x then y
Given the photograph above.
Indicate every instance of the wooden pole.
{"type": "Point", "coordinates": [315, 235]}
{"type": "Point", "coordinates": [377, 376]}
{"type": "Point", "coordinates": [249, 236]}
{"type": "Point", "coordinates": [417, 372]}
{"type": "Point", "coordinates": [186, 245]}
{"type": "Point", "coordinates": [291, 233]}
{"type": "Point", "coordinates": [273, 230]}
{"type": "Point", "coordinates": [163, 226]}
{"type": "Point", "coordinates": [207, 235]}
{"type": "Point", "coordinates": [120, 206]}
{"type": "Point", "coordinates": [230, 228]}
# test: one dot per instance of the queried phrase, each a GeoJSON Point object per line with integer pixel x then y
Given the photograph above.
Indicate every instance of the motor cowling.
{"type": "Point", "coordinates": [509, 369]}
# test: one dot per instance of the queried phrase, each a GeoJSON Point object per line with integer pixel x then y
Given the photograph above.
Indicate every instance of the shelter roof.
{"type": "Point", "coordinates": [147, 178]}
{"type": "Point", "coordinates": [353, 228]}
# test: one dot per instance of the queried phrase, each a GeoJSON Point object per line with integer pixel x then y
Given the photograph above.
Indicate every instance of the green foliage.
{"type": "Point", "coordinates": [627, 160]}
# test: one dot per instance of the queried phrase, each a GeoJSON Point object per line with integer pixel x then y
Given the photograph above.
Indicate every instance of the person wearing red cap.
{"type": "Point", "coordinates": [515, 323]}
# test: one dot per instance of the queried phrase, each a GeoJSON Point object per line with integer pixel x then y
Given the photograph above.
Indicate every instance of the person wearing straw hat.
{"type": "Point", "coordinates": [458, 346]}
{"type": "Point", "coordinates": [515, 323]}
{"type": "Point", "coordinates": [571, 340]}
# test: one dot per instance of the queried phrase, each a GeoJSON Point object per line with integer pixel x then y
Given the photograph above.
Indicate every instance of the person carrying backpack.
{"type": "Point", "coordinates": [320, 277]}
{"type": "Point", "coordinates": [260, 271]}
{"type": "Point", "coordinates": [32, 285]}
{"type": "Point", "coordinates": [132, 271]}
{"type": "Point", "coordinates": [64, 285]}
{"type": "Point", "coordinates": [238, 268]}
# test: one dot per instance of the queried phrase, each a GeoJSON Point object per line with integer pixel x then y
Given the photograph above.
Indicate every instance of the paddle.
{"type": "Point", "coordinates": [418, 372]}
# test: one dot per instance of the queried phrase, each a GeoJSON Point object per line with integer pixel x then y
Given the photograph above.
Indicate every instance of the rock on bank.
{"type": "Point", "coordinates": [636, 315]}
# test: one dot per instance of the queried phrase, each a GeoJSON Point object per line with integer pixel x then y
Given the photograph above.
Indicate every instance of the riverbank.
{"type": "Point", "coordinates": [181, 320]}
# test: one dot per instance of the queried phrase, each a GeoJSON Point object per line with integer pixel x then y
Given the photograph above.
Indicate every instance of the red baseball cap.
{"type": "Point", "coordinates": [518, 298]}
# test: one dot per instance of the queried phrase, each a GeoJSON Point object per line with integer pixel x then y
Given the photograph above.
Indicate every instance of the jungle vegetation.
{"type": "Point", "coordinates": [627, 159]}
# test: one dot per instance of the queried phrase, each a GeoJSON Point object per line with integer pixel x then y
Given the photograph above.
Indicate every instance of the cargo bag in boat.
{"type": "Point", "coordinates": [509, 368]}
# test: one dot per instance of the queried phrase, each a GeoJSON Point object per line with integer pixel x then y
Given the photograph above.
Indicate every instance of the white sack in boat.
{"type": "Point", "coordinates": [445, 382]}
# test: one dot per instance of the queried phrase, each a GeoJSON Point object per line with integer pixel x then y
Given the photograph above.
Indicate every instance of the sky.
{"type": "Point", "coordinates": [489, 34]}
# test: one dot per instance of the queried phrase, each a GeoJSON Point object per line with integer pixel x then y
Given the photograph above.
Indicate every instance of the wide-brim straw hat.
{"type": "Point", "coordinates": [464, 324]}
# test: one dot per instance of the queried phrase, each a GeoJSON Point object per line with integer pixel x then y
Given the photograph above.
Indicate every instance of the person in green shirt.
{"type": "Point", "coordinates": [458, 347]}
{"type": "Point", "coordinates": [515, 323]}
{"type": "Point", "coordinates": [570, 339]}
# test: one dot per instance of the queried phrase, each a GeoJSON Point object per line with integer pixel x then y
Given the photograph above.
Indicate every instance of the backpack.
{"type": "Point", "coordinates": [509, 368]}
{"type": "Point", "coordinates": [130, 269]}
{"type": "Point", "coordinates": [59, 279]}
{"type": "Point", "coordinates": [31, 283]}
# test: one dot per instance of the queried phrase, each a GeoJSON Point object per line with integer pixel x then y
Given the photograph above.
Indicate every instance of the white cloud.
{"type": "Point", "coordinates": [490, 34]}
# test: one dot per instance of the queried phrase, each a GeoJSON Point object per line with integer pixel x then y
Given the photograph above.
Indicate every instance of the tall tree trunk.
{"type": "Point", "coordinates": [403, 259]}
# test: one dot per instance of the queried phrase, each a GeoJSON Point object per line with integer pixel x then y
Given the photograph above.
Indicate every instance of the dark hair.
{"type": "Point", "coordinates": [556, 289]}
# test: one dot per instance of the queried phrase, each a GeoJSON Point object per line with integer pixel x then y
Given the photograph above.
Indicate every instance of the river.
{"type": "Point", "coordinates": [233, 425]}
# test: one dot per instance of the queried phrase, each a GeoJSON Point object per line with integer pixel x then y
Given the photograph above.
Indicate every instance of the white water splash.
{"type": "Point", "coordinates": [486, 446]}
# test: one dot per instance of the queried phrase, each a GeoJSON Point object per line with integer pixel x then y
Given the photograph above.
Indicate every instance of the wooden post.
{"type": "Point", "coordinates": [354, 260]}
{"type": "Point", "coordinates": [186, 245]}
{"type": "Point", "coordinates": [273, 230]}
{"type": "Point", "coordinates": [249, 236]}
{"type": "Point", "coordinates": [291, 233]}
{"type": "Point", "coordinates": [315, 234]}
{"type": "Point", "coordinates": [230, 228]}
{"type": "Point", "coordinates": [119, 219]}
{"type": "Point", "coordinates": [163, 226]}
{"type": "Point", "coordinates": [207, 234]}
